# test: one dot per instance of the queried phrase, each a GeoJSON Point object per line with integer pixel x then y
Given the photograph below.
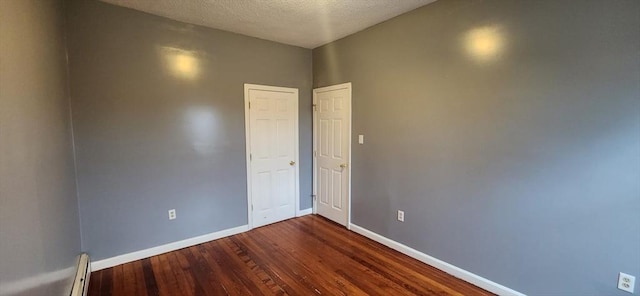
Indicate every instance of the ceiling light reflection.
{"type": "Point", "coordinates": [484, 43]}
{"type": "Point", "coordinates": [180, 63]}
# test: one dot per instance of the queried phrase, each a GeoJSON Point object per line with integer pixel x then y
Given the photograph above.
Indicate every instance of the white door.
{"type": "Point", "coordinates": [332, 151]}
{"type": "Point", "coordinates": [272, 153]}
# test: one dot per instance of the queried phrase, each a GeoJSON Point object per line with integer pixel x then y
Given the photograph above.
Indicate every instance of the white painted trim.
{"type": "Point", "coordinates": [315, 142]}
{"type": "Point", "coordinates": [83, 275]}
{"type": "Point", "coordinates": [247, 133]}
{"type": "Point", "coordinates": [437, 263]}
{"type": "Point", "coordinates": [350, 156]}
{"type": "Point", "coordinates": [142, 254]}
{"type": "Point", "coordinates": [314, 174]}
{"type": "Point", "coordinates": [305, 212]}
{"type": "Point", "coordinates": [314, 163]}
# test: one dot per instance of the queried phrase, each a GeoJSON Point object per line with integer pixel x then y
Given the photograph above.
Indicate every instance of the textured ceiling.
{"type": "Point", "coordinates": [305, 23]}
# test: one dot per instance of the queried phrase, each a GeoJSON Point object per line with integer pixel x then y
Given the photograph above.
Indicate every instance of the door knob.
{"type": "Point", "coordinates": [344, 165]}
{"type": "Point", "coordinates": [292, 163]}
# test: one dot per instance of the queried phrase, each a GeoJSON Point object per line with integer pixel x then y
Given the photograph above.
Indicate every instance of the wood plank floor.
{"type": "Point", "coordinates": [302, 256]}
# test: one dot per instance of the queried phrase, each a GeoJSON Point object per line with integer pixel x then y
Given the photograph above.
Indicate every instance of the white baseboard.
{"type": "Point", "coordinates": [83, 276]}
{"type": "Point", "coordinates": [126, 258]}
{"type": "Point", "coordinates": [301, 213]}
{"type": "Point", "coordinates": [437, 263]}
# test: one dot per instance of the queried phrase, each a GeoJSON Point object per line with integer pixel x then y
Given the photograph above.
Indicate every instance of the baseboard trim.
{"type": "Point", "coordinates": [301, 213]}
{"type": "Point", "coordinates": [437, 263]}
{"type": "Point", "coordinates": [142, 254]}
{"type": "Point", "coordinates": [80, 285]}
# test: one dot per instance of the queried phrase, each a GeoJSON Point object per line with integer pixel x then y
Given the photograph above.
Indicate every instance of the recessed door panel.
{"type": "Point", "coordinates": [337, 139]}
{"type": "Point", "coordinates": [284, 137]}
{"type": "Point", "coordinates": [336, 194]}
{"type": "Point", "coordinates": [323, 134]}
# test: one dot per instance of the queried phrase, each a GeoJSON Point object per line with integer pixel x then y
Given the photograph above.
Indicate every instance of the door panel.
{"type": "Point", "coordinates": [273, 148]}
{"type": "Point", "coordinates": [332, 156]}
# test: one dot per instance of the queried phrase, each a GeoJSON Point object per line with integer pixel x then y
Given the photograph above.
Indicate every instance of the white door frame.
{"type": "Point", "coordinates": [247, 132]}
{"type": "Point", "coordinates": [315, 148]}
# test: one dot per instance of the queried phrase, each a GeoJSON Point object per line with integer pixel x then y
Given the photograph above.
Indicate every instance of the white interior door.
{"type": "Point", "coordinates": [272, 152]}
{"type": "Point", "coordinates": [332, 151]}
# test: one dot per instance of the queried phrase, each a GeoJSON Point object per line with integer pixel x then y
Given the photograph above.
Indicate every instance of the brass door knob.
{"type": "Point", "coordinates": [344, 165]}
{"type": "Point", "coordinates": [292, 163]}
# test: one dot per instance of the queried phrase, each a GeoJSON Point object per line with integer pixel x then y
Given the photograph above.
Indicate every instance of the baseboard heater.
{"type": "Point", "coordinates": [81, 283]}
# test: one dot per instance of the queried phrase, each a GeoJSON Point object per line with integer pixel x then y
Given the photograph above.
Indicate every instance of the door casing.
{"type": "Point", "coordinates": [315, 148]}
{"type": "Point", "coordinates": [247, 126]}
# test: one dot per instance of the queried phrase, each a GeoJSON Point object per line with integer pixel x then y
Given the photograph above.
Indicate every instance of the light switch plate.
{"type": "Point", "coordinates": [400, 216]}
{"type": "Point", "coordinates": [360, 139]}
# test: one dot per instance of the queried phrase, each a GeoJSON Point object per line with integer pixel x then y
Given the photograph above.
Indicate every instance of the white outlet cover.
{"type": "Point", "coordinates": [172, 214]}
{"type": "Point", "coordinates": [626, 282]}
{"type": "Point", "coordinates": [401, 216]}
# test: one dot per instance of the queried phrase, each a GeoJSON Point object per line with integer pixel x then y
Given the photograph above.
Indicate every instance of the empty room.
{"type": "Point", "coordinates": [319, 147]}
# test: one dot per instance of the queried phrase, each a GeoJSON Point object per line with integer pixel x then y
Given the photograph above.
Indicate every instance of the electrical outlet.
{"type": "Point", "coordinates": [400, 216]}
{"type": "Point", "coordinates": [626, 282]}
{"type": "Point", "coordinates": [172, 214]}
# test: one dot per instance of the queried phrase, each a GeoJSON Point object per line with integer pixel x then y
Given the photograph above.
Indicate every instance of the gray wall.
{"type": "Point", "coordinates": [149, 140]}
{"type": "Point", "coordinates": [522, 167]}
{"type": "Point", "coordinates": [39, 226]}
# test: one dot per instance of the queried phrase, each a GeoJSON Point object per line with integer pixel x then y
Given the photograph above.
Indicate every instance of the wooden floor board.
{"type": "Point", "coordinates": [302, 256]}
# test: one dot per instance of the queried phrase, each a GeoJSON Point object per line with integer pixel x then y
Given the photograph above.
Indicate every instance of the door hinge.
{"type": "Point", "coordinates": [252, 207]}
{"type": "Point", "coordinates": [315, 153]}
{"type": "Point", "coordinates": [314, 197]}
{"type": "Point", "coordinates": [250, 157]}
{"type": "Point", "coordinates": [314, 107]}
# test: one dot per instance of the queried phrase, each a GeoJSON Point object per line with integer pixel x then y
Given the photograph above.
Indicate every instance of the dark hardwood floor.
{"type": "Point", "coordinates": [302, 256]}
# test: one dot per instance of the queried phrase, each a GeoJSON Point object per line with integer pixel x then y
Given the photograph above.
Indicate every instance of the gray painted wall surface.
{"type": "Point", "coordinates": [523, 168]}
{"type": "Point", "coordinates": [150, 139]}
{"type": "Point", "coordinates": [39, 225]}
